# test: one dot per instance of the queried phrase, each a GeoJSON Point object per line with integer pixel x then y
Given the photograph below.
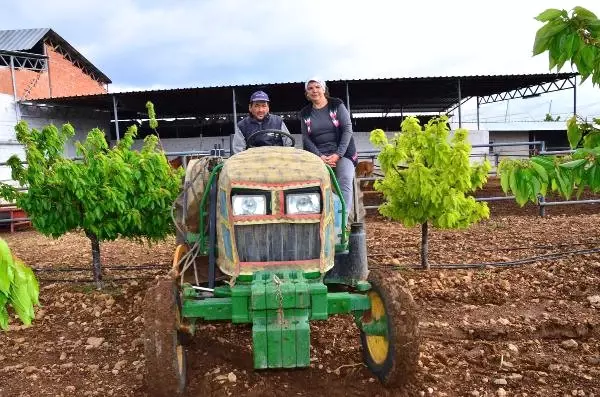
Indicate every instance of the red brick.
{"type": "Point", "coordinates": [66, 78]}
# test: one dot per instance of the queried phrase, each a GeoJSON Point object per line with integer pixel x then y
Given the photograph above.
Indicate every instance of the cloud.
{"type": "Point", "coordinates": [189, 43]}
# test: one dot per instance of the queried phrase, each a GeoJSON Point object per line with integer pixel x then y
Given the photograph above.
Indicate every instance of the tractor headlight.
{"type": "Point", "coordinates": [249, 205]}
{"type": "Point", "coordinates": [303, 203]}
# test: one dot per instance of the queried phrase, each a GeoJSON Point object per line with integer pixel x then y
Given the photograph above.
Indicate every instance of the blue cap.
{"type": "Point", "coordinates": [259, 96]}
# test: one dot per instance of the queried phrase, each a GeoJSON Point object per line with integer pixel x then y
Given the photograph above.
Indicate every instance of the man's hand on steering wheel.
{"type": "Point", "coordinates": [272, 132]}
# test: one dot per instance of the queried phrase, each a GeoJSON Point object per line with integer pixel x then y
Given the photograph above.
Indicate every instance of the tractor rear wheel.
{"type": "Point", "coordinates": [164, 352]}
{"type": "Point", "coordinates": [392, 357]}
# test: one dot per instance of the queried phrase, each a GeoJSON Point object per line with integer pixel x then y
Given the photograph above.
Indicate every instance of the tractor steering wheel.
{"type": "Point", "coordinates": [272, 132]}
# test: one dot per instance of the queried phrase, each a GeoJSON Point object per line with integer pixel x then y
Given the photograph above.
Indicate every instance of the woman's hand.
{"type": "Point", "coordinates": [334, 159]}
{"type": "Point", "coordinates": [331, 160]}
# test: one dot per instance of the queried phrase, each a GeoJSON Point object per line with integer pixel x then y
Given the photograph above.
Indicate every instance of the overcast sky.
{"type": "Point", "coordinates": [184, 43]}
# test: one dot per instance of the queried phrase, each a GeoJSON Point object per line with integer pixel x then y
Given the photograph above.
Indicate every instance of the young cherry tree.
{"type": "Point", "coordinates": [573, 38]}
{"type": "Point", "coordinates": [108, 193]}
{"type": "Point", "coordinates": [428, 177]}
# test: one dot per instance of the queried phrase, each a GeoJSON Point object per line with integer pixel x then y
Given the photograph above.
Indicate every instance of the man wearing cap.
{"type": "Point", "coordinates": [259, 119]}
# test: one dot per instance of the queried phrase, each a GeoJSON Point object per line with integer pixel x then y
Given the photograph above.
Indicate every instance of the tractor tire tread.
{"type": "Point", "coordinates": [404, 338]}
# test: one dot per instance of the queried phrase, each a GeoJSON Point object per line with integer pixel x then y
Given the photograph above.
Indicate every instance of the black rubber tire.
{"type": "Point", "coordinates": [163, 348]}
{"type": "Point", "coordinates": [402, 356]}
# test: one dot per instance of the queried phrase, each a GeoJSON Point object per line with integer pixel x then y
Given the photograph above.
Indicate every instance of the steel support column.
{"type": "Point", "coordinates": [478, 112]}
{"type": "Point", "coordinates": [234, 110]}
{"type": "Point", "coordinates": [114, 101]}
{"type": "Point", "coordinates": [348, 99]}
{"type": "Point", "coordinates": [14, 87]}
{"type": "Point", "coordinates": [574, 95]}
{"type": "Point", "coordinates": [233, 99]}
{"type": "Point", "coordinates": [48, 70]}
{"type": "Point", "coordinates": [459, 107]}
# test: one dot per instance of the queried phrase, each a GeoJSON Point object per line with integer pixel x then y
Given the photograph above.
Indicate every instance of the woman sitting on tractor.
{"type": "Point", "coordinates": [327, 132]}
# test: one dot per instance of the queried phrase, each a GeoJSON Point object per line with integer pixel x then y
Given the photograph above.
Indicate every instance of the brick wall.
{"type": "Point", "coordinates": [66, 78]}
{"type": "Point", "coordinates": [26, 80]}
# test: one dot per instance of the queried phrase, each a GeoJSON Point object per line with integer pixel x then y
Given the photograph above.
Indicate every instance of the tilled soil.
{"type": "Point", "coordinates": [512, 330]}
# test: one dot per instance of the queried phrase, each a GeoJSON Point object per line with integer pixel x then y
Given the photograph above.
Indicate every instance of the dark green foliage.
{"type": "Point", "coordinates": [110, 193]}
{"type": "Point", "coordinates": [574, 38]}
{"type": "Point", "coordinates": [107, 192]}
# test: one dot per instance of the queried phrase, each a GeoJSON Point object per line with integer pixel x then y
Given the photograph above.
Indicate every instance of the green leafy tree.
{"type": "Point", "coordinates": [428, 177]}
{"type": "Point", "coordinates": [573, 38]}
{"type": "Point", "coordinates": [107, 192]}
{"type": "Point", "coordinates": [19, 288]}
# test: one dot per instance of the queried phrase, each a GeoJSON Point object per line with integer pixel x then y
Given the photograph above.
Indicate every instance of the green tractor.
{"type": "Point", "coordinates": [265, 243]}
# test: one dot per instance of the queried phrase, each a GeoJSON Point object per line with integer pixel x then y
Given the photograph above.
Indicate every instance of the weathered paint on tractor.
{"type": "Point", "coordinates": [273, 170]}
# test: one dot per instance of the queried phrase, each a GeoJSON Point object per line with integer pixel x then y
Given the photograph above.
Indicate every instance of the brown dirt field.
{"type": "Point", "coordinates": [528, 330]}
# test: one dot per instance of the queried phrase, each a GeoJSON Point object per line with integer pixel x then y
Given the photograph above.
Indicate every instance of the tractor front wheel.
{"type": "Point", "coordinates": [164, 352]}
{"type": "Point", "coordinates": [390, 335]}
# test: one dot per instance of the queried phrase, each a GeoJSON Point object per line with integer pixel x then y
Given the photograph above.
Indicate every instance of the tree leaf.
{"type": "Point", "coordinates": [592, 139]}
{"type": "Point", "coordinates": [536, 187]}
{"type": "Point", "coordinates": [545, 34]}
{"type": "Point", "coordinates": [505, 179]}
{"type": "Point", "coordinates": [580, 190]}
{"type": "Point", "coordinates": [32, 285]}
{"type": "Point", "coordinates": [6, 268]}
{"type": "Point", "coordinates": [587, 56]}
{"type": "Point", "coordinates": [3, 312]}
{"type": "Point", "coordinates": [541, 171]}
{"type": "Point", "coordinates": [584, 13]}
{"type": "Point", "coordinates": [512, 180]}
{"type": "Point", "coordinates": [550, 13]}
{"type": "Point", "coordinates": [20, 298]}
{"type": "Point", "coordinates": [573, 132]}
{"type": "Point", "coordinates": [591, 177]}
{"type": "Point", "coordinates": [570, 165]}
{"type": "Point", "coordinates": [563, 187]}
{"type": "Point", "coordinates": [546, 162]}
{"type": "Point", "coordinates": [566, 44]}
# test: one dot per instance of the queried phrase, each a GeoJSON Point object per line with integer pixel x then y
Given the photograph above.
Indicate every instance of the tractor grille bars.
{"type": "Point", "coordinates": [278, 242]}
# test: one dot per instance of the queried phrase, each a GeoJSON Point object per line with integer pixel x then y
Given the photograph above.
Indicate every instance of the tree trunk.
{"type": "Point", "coordinates": [424, 262]}
{"type": "Point", "coordinates": [96, 265]}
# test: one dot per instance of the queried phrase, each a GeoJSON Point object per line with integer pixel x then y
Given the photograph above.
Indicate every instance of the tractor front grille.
{"type": "Point", "coordinates": [277, 242]}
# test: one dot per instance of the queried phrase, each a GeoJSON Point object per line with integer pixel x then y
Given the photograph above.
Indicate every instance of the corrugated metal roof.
{"type": "Point", "coordinates": [475, 77]}
{"type": "Point", "coordinates": [384, 95]}
{"type": "Point", "coordinates": [21, 39]}
{"type": "Point", "coordinates": [535, 78]}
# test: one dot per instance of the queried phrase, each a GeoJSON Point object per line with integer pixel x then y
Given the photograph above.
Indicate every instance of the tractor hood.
{"type": "Point", "coordinates": [275, 239]}
{"type": "Point", "coordinates": [274, 165]}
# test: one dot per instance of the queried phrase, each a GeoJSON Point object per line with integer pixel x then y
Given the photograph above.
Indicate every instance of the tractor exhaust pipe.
{"type": "Point", "coordinates": [351, 266]}
{"type": "Point", "coordinates": [357, 251]}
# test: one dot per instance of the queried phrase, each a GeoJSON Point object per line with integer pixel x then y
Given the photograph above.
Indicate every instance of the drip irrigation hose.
{"type": "Point", "coordinates": [517, 262]}
{"type": "Point", "coordinates": [81, 269]}
{"type": "Point", "coordinates": [89, 280]}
